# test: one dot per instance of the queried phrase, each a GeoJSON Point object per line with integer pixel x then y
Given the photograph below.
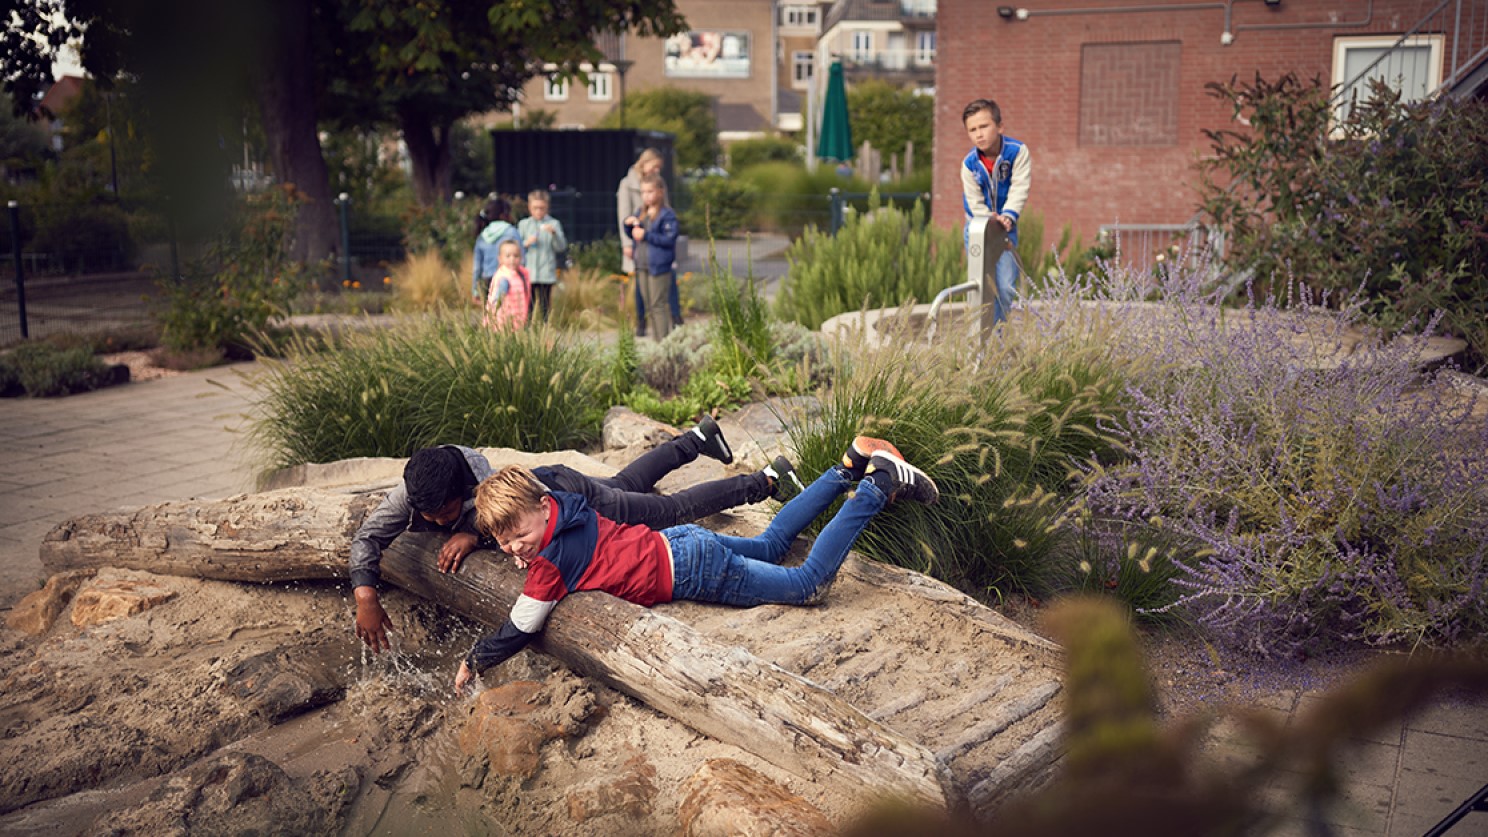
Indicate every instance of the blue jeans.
{"type": "Point", "coordinates": [1007, 286]}
{"type": "Point", "coordinates": [709, 567]}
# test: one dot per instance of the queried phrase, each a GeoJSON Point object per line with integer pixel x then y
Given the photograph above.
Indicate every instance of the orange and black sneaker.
{"type": "Point", "coordinates": [855, 458]}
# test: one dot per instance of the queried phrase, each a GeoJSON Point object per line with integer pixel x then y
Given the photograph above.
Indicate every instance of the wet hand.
{"type": "Point", "coordinates": [454, 551]}
{"type": "Point", "coordinates": [373, 624]}
{"type": "Point", "coordinates": [463, 678]}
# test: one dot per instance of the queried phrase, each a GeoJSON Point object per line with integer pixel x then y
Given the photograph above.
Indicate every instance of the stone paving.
{"type": "Point", "coordinates": [184, 437]}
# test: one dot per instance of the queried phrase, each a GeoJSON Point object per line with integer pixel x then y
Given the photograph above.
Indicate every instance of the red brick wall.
{"type": "Point", "coordinates": [1106, 168]}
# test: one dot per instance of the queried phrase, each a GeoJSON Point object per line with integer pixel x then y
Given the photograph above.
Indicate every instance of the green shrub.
{"type": "Point", "coordinates": [602, 255]}
{"type": "Point", "coordinates": [247, 279]}
{"type": "Point", "coordinates": [791, 198]}
{"type": "Point", "coordinates": [85, 236]}
{"type": "Point", "coordinates": [751, 152]}
{"type": "Point", "coordinates": [720, 207]}
{"type": "Point", "coordinates": [39, 369]}
{"type": "Point", "coordinates": [1389, 198]}
{"type": "Point", "coordinates": [880, 258]}
{"type": "Point", "coordinates": [426, 381]}
{"type": "Point", "coordinates": [1069, 255]}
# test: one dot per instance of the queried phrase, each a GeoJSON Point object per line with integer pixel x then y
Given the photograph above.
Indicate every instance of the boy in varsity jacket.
{"type": "Point", "coordinates": [994, 184]}
{"type": "Point", "coordinates": [567, 547]}
{"type": "Point", "coordinates": [438, 494]}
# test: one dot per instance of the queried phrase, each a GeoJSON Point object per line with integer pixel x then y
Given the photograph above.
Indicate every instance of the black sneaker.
{"type": "Point", "coordinates": [779, 471]}
{"type": "Point", "coordinates": [909, 482]}
{"type": "Point", "coordinates": [714, 445]}
{"type": "Point", "coordinates": [861, 449]}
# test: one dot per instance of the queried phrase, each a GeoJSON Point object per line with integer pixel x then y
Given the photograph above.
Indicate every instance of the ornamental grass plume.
{"type": "Point", "coordinates": [426, 381]}
{"type": "Point", "coordinates": [998, 426]}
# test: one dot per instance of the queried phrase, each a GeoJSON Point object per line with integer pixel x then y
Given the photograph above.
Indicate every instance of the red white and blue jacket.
{"type": "Point", "coordinates": [580, 551]}
{"type": "Point", "coordinates": [1002, 190]}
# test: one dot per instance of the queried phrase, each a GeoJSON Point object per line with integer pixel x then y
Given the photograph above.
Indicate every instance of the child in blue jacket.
{"type": "Point", "coordinates": [567, 547]}
{"type": "Point", "coordinates": [655, 232]}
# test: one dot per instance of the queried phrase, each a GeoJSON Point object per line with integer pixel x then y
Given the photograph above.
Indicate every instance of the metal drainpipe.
{"type": "Point", "coordinates": [1343, 24]}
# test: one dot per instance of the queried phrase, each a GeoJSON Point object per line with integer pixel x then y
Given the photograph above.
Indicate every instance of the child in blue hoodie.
{"type": "Point", "coordinates": [492, 226]}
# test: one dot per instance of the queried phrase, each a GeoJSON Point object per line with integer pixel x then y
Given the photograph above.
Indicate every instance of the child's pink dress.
{"type": "Point", "coordinates": [507, 307]}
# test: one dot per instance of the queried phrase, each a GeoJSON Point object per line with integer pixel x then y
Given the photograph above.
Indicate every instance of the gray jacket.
{"type": "Point", "coordinates": [396, 515]}
{"type": "Point", "coordinates": [540, 258]}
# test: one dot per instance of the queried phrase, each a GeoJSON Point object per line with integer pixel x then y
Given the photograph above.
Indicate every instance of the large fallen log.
{"type": "Point", "coordinates": [721, 691]}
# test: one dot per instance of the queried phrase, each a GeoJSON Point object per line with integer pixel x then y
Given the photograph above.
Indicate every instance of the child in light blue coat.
{"type": "Point", "coordinates": [542, 241]}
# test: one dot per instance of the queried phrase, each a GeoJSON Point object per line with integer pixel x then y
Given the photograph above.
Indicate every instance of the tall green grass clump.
{"type": "Point", "coordinates": [880, 258]}
{"type": "Point", "coordinates": [997, 426]}
{"type": "Point", "coordinates": [427, 381]}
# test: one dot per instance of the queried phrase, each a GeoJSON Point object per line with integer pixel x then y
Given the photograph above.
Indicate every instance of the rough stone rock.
{"type": "Point", "coordinates": [625, 428]}
{"type": "Point", "coordinates": [111, 595]}
{"type": "Point", "coordinates": [630, 794]}
{"type": "Point", "coordinates": [726, 798]}
{"type": "Point", "coordinates": [510, 723]}
{"type": "Point", "coordinates": [235, 793]}
{"type": "Point", "coordinates": [38, 611]}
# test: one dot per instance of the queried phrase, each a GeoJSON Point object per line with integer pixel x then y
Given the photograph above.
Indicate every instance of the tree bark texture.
{"type": "Point", "coordinates": [719, 690]}
{"type": "Point", "coordinates": [285, 85]}
{"type": "Point", "coordinates": [430, 154]}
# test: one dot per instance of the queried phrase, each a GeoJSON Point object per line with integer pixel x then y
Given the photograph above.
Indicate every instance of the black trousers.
{"type": "Point", "coordinates": [627, 497]}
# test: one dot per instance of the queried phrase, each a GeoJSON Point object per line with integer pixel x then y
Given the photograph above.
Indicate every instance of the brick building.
{"type": "Point", "coordinates": [1111, 100]}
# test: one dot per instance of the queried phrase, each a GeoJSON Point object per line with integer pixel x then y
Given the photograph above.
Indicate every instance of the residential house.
{"type": "Point", "coordinates": [1111, 101]}
{"type": "Point", "coordinates": [893, 40]}
{"type": "Point", "coordinates": [799, 28]}
{"type": "Point", "coordinates": [728, 54]}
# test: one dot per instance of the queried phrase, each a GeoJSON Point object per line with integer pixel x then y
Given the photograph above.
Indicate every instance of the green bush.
{"type": "Point", "coordinates": [1389, 198]}
{"type": "Point", "coordinates": [247, 279]}
{"type": "Point", "coordinates": [602, 255]}
{"type": "Point", "coordinates": [752, 152]}
{"type": "Point", "coordinates": [426, 381]}
{"type": "Point", "coordinates": [40, 369]}
{"type": "Point", "coordinates": [1069, 255]}
{"type": "Point", "coordinates": [85, 237]}
{"type": "Point", "coordinates": [687, 115]}
{"type": "Point", "coordinates": [880, 258]}
{"type": "Point", "coordinates": [720, 206]}
{"type": "Point", "coordinates": [791, 198]}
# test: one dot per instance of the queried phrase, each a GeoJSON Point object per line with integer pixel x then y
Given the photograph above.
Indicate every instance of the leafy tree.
{"type": "Point", "coordinates": [22, 143]}
{"type": "Point", "coordinates": [423, 65]}
{"type": "Point", "coordinates": [684, 114]}
{"type": "Point", "coordinates": [889, 117]}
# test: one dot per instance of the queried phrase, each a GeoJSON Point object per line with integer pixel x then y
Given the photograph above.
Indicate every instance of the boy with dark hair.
{"type": "Point", "coordinates": [567, 547]}
{"type": "Point", "coordinates": [438, 493]}
{"type": "Point", "coordinates": [994, 184]}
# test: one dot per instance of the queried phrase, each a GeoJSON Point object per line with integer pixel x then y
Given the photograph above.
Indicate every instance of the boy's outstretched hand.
{"type": "Point", "coordinates": [372, 622]}
{"type": "Point", "coordinates": [454, 551]}
{"type": "Point", "coordinates": [463, 678]}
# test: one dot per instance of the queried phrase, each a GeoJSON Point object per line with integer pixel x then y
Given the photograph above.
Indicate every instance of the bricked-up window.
{"type": "Point", "coordinates": [1129, 93]}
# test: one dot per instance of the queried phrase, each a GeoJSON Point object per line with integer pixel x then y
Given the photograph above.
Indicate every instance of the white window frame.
{"type": "Point", "coordinates": [802, 58]}
{"type": "Point", "coordinates": [1342, 45]}
{"type": "Point", "coordinates": [862, 45]}
{"type": "Point", "coordinates": [923, 55]}
{"type": "Point", "coordinates": [601, 86]}
{"type": "Point", "coordinates": [555, 89]}
{"type": "Point", "coordinates": [799, 17]}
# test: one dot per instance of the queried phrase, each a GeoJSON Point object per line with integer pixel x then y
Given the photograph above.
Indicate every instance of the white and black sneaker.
{"type": "Point", "coordinates": [904, 481]}
{"type": "Point", "coordinates": [778, 472]}
{"type": "Point", "coordinates": [714, 445]}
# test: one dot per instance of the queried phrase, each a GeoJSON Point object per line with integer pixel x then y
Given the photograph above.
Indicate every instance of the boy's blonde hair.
{"type": "Point", "coordinates": [538, 195]}
{"type": "Point", "coordinates": [505, 495]}
{"type": "Point", "coordinates": [508, 243]}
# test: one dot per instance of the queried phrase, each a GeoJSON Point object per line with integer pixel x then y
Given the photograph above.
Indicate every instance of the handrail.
{"type": "Point", "coordinates": [941, 298]}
